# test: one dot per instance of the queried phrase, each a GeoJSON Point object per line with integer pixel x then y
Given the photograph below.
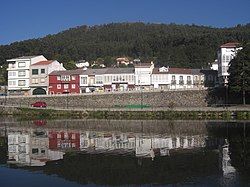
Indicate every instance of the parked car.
{"type": "Point", "coordinates": [39, 104]}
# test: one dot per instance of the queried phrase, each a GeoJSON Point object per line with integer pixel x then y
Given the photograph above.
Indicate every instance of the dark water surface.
{"type": "Point", "coordinates": [124, 153]}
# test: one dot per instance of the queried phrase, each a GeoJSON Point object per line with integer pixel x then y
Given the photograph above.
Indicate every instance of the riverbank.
{"type": "Point", "coordinates": [159, 113]}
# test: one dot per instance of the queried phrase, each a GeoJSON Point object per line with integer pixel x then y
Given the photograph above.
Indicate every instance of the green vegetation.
{"type": "Point", "coordinates": [239, 79]}
{"type": "Point", "coordinates": [166, 44]}
{"type": "Point", "coordinates": [24, 113]}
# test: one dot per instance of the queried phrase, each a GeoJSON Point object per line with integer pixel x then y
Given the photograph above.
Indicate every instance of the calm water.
{"type": "Point", "coordinates": [74, 153]}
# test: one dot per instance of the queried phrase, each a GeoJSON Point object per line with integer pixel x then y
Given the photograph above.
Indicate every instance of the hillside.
{"type": "Point", "coordinates": [166, 44]}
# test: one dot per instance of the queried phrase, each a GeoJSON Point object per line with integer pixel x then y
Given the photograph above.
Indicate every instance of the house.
{"type": "Point", "coordinates": [178, 78]}
{"type": "Point", "coordinates": [64, 82]}
{"type": "Point", "coordinates": [107, 79]}
{"type": "Point", "coordinates": [61, 140]}
{"type": "Point", "coordinates": [39, 81]}
{"type": "Point", "coordinates": [172, 78]}
{"type": "Point", "coordinates": [160, 78]}
{"type": "Point", "coordinates": [91, 79]}
{"type": "Point", "coordinates": [122, 61]}
{"type": "Point", "coordinates": [82, 64]}
{"type": "Point", "coordinates": [225, 54]}
{"type": "Point", "coordinates": [119, 79]}
{"type": "Point", "coordinates": [210, 77]}
{"type": "Point", "coordinates": [143, 73]}
{"type": "Point", "coordinates": [18, 74]}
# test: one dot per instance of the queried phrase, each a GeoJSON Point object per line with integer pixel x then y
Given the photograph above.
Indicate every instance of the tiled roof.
{"type": "Point", "coordinates": [174, 71]}
{"type": "Point", "coordinates": [235, 44]}
{"type": "Point", "coordinates": [43, 63]}
{"type": "Point", "coordinates": [23, 57]}
{"type": "Point", "coordinates": [143, 65]}
{"type": "Point", "coordinates": [94, 71]}
{"type": "Point", "coordinates": [119, 70]}
{"type": "Point", "coordinates": [67, 72]}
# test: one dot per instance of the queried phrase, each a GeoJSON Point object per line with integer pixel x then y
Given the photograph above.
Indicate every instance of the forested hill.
{"type": "Point", "coordinates": [166, 44]}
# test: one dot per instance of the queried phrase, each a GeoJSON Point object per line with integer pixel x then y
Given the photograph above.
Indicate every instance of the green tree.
{"type": "Point", "coordinates": [239, 79]}
{"type": "Point", "coordinates": [70, 65]}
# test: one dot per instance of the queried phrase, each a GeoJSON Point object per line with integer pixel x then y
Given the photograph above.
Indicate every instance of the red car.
{"type": "Point", "coordinates": [39, 104]}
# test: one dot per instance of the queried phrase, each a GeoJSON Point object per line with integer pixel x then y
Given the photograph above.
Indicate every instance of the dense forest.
{"type": "Point", "coordinates": [166, 44]}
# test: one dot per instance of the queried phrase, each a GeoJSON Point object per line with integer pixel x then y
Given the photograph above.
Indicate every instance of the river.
{"type": "Point", "coordinates": [95, 152]}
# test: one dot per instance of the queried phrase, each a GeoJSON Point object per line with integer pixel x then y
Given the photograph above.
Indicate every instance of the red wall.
{"type": "Point", "coordinates": [53, 82]}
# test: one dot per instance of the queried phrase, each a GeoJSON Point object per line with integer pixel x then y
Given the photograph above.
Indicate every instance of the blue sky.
{"type": "Point", "coordinates": [27, 19]}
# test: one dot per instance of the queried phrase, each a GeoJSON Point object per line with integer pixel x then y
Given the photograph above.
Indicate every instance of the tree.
{"type": "Point", "coordinates": [239, 70]}
{"type": "Point", "coordinates": [70, 65]}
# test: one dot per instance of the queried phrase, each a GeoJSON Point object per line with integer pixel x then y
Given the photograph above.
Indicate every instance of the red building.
{"type": "Point", "coordinates": [64, 82]}
{"type": "Point", "coordinates": [64, 140]}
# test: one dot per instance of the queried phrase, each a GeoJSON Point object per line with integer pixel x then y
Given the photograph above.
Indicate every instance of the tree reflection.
{"type": "Point", "coordinates": [237, 135]}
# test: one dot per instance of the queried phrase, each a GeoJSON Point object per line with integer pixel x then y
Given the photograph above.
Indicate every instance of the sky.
{"type": "Point", "coordinates": [27, 19]}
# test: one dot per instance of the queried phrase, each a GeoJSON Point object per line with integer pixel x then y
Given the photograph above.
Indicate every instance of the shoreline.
{"type": "Point", "coordinates": [149, 113]}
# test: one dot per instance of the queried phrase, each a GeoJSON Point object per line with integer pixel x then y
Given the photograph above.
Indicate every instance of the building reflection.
{"type": "Point", "coordinates": [148, 153]}
{"type": "Point", "coordinates": [36, 145]}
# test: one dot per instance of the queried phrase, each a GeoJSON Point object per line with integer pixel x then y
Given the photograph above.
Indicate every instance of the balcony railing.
{"type": "Point", "coordinates": [181, 82]}
{"type": "Point", "coordinates": [173, 81]}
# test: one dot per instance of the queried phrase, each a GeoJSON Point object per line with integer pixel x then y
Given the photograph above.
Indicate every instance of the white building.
{"type": "Point", "coordinates": [177, 78]}
{"type": "Point", "coordinates": [143, 73]}
{"type": "Point", "coordinates": [225, 54]}
{"type": "Point", "coordinates": [19, 148]}
{"type": "Point", "coordinates": [82, 64]}
{"type": "Point", "coordinates": [18, 73]}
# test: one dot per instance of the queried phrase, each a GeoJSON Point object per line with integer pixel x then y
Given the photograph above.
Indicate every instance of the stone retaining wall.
{"type": "Point", "coordinates": [194, 98]}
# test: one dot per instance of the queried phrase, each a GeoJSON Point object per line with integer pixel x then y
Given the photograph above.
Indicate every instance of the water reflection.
{"type": "Point", "coordinates": [34, 146]}
{"type": "Point", "coordinates": [119, 152]}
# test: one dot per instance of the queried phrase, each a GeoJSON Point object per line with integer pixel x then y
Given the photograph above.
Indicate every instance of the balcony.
{"type": "Point", "coordinates": [181, 82]}
{"type": "Point", "coordinates": [173, 82]}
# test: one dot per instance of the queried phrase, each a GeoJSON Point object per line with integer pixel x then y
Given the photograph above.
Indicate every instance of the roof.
{"type": "Point", "coordinates": [143, 65]}
{"type": "Point", "coordinates": [120, 70]}
{"type": "Point", "coordinates": [67, 72]}
{"type": "Point", "coordinates": [43, 63]}
{"type": "Point", "coordinates": [177, 71]}
{"type": "Point", "coordinates": [94, 71]}
{"type": "Point", "coordinates": [24, 57]}
{"type": "Point", "coordinates": [235, 44]}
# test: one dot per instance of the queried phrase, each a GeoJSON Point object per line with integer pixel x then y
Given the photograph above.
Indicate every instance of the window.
{"type": "Point", "coordinates": [34, 71]}
{"type": "Point", "coordinates": [11, 83]}
{"type": "Point", "coordinates": [73, 77]}
{"type": "Point", "coordinates": [65, 78]}
{"type": "Point", "coordinates": [224, 69]}
{"type": "Point", "coordinates": [181, 81]}
{"type": "Point", "coordinates": [42, 71]}
{"type": "Point", "coordinates": [21, 64]}
{"type": "Point", "coordinates": [34, 81]}
{"type": "Point", "coordinates": [58, 86]}
{"type": "Point", "coordinates": [42, 80]}
{"type": "Point", "coordinates": [21, 73]}
{"type": "Point", "coordinates": [11, 73]}
{"type": "Point", "coordinates": [189, 80]}
{"type": "Point", "coordinates": [35, 151]}
{"type": "Point", "coordinates": [65, 86]}
{"type": "Point", "coordinates": [73, 86]}
{"type": "Point", "coordinates": [21, 82]}
{"type": "Point", "coordinates": [173, 81]}
{"type": "Point", "coordinates": [98, 80]}
{"type": "Point", "coordinates": [58, 78]}
{"type": "Point", "coordinates": [83, 80]}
